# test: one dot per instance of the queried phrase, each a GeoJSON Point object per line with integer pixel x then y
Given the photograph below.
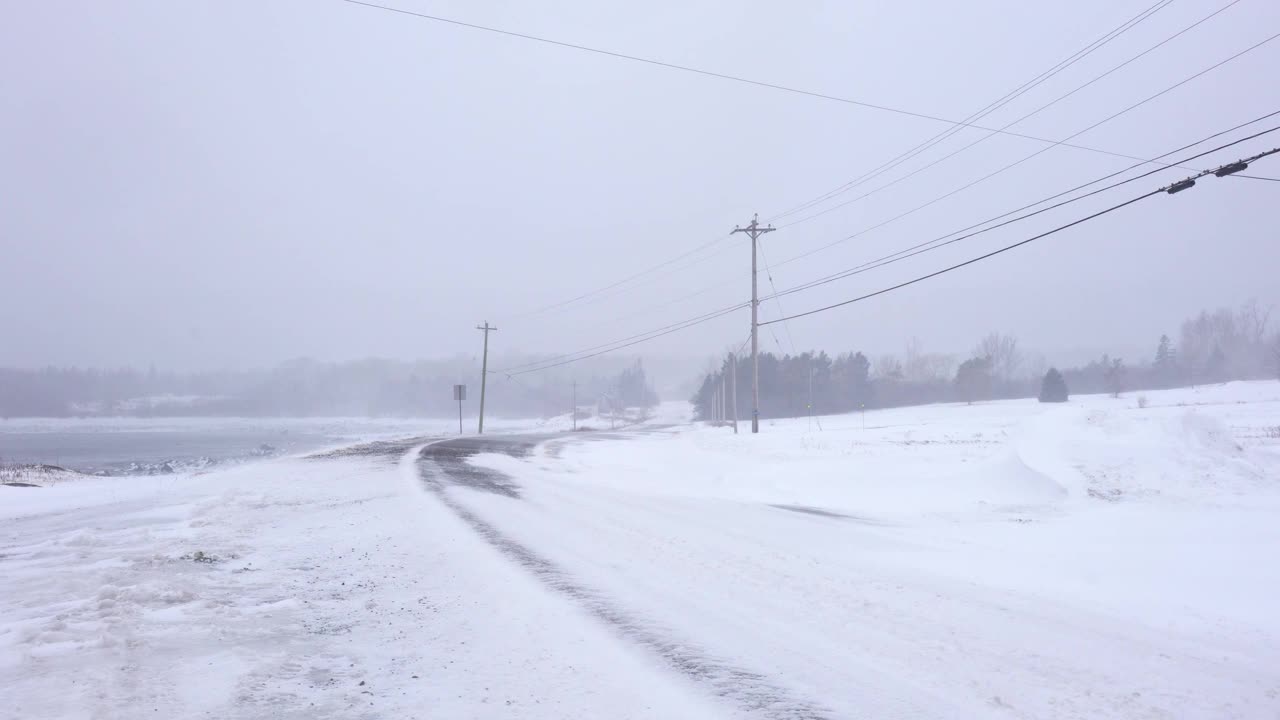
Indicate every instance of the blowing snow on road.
{"type": "Point", "coordinates": [1002, 559]}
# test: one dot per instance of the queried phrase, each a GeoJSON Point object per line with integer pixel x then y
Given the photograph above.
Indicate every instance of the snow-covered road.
{"type": "Point", "coordinates": [1097, 560]}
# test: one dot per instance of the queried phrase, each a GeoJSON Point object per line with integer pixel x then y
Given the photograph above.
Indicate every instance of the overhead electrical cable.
{"type": "Point", "coordinates": [722, 76]}
{"type": "Point", "coordinates": [939, 242]}
{"type": "Point", "coordinates": [1009, 97]}
{"type": "Point", "coordinates": [1163, 166]}
{"type": "Point", "coordinates": [619, 345]}
{"type": "Point", "coordinates": [1170, 189]}
{"type": "Point", "coordinates": [567, 358]}
{"type": "Point", "coordinates": [984, 178]}
{"type": "Point", "coordinates": [990, 108]}
{"type": "Point", "coordinates": [880, 171]}
{"type": "Point", "coordinates": [776, 301]}
{"type": "Point", "coordinates": [631, 278]}
{"type": "Point", "coordinates": [623, 281]}
{"type": "Point", "coordinates": [1014, 164]}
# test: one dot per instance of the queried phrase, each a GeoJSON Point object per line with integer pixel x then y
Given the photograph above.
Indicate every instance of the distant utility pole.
{"type": "Point", "coordinates": [575, 405]}
{"type": "Point", "coordinates": [484, 369]}
{"type": "Point", "coordinates": [755, 231]}
{"type": "Point", "coordinates": [733, 389]}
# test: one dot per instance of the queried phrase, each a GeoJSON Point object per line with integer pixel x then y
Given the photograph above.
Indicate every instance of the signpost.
{"type": "Point", "coordinates": [459, 394]}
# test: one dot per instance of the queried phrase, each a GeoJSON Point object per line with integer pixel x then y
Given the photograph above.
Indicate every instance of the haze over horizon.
{"type": "Point", "coordinates": [229, 185]}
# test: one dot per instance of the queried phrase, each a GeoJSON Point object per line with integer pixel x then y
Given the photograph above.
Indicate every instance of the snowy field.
{"type": "Point", "coordinates": [997, 560]}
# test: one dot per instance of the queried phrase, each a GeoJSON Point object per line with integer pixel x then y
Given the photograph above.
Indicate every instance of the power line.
{"type": "Point", "coordinates": [938, 242]}
{"type": "Point", "coordinates": [869, 264]}
{"type": "Point", "coordinates": [1012, 165]}
{"type": "Point", "coordinates": [972, 260]}
{"type": "Point", "coordinates": [776, 301]}
{"type": "Point", "coordinates": [870, 176]}
{"type": "Point", "coordinates": [595, 351]}
{"type": "Point", "coordinates": [1257, 177]}
{"type": "Point", "coordinates": [723, 76]}
{"type": "Point", "coordinates": [1170, 189]}
{"type": "Point", "coordinates": [956, 125]}
{"type": "Point", "coordinates": [623, 281]}
{"type": "Point", "coordinates": [643, 337]}
{"type": "Point", "coordinates": [1155, 160]}
{"type": "Point", "coordinates": [605, 289]}
{"type": "Point", "coordinates": [1064, 142]}
{"type": "Point", "coordinates": [709, 316]}
{"type": "Point", "coordinates": [990, 108]}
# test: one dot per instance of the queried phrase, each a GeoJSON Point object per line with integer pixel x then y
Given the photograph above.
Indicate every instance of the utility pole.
{"type": "Point", "coordinates": [733, 389]}
{"type": "Point", "coordinates": [755, 231]}
{"type": "Point", "coordinates": [810, 399]}
{"type": "Point", "coordinates": [484, 370]}
{"type": "Point", "coordinates": [575, 405]}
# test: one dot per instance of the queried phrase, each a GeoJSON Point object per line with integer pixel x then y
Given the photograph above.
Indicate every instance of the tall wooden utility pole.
{"type": "Point", "coordinates": [484, 369]}
{"type": "Point", "coordinates": [575, 405]}
{"type": "Point", "coordinates": [755, 231]}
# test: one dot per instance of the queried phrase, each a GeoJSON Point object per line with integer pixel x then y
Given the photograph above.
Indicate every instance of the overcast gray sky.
{"type": "Point", "coordinates": [230, 184]}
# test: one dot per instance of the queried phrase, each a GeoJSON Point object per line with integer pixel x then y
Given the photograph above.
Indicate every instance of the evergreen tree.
{"type": "Point", "coordinates": [973, 379]}
{"type": "Point", "coordinates": [1165, 365]}
{"type": "Point", "coordinates": [1164, 352]}
{"type": "Point", "coordinates": [634, 389]}
{"type": "Point", "coordinates": [851, 381]}
{"type": "Point", "coordinates": [1164, 360]}
{"type": "Point", "coordinates": [1115, 377]}
{"type": "Point", "coordinates": [702, 398]}
{"type": "Point", "coordinates": [1053, 388]}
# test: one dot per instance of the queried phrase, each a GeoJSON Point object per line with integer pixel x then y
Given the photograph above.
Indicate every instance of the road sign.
{"type": "Point", "coordinates": [459, 394]}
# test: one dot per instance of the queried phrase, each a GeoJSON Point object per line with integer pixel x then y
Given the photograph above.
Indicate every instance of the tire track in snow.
{"type": "Point", "coordinates": [445, 463]}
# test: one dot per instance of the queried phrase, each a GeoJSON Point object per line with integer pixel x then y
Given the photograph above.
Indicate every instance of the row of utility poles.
{"type": "Point", "coordinates": [725, 401]}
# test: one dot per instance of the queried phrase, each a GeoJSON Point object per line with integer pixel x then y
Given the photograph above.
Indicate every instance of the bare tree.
{"type": "Point", "coordinates": [888, 367]}
{"type": "Point", "coordinates": [925, 367]}
{"type": "Point", "coordinates": [1035, 366]}
{"type": "Point", "coordinates": [940, 366]}
{"type": "Point", "coordinates": [1253, 321]}
{"type": "Point", "coordinates": [1003, 351]}
{"type": "Point", "coordinates": [1207, 334]}
{"type": "Point", "coordinates": [1275, 354]}
{"type": "Point", "coordinates": [1232, 344]}
{"type": "Point", "coordinates": [912, 361]}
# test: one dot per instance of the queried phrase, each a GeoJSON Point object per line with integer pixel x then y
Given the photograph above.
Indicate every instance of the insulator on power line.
{"type": "Point", "coordinates": [1231, 169]}
{"type": "Point", "coordinates": [1181, 185]}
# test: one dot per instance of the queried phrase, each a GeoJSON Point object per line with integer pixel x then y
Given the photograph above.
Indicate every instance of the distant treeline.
{"type": "Point", "coordinates": [1213, 347]}
{"type": "Point", "coordinates": [301, 388]}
